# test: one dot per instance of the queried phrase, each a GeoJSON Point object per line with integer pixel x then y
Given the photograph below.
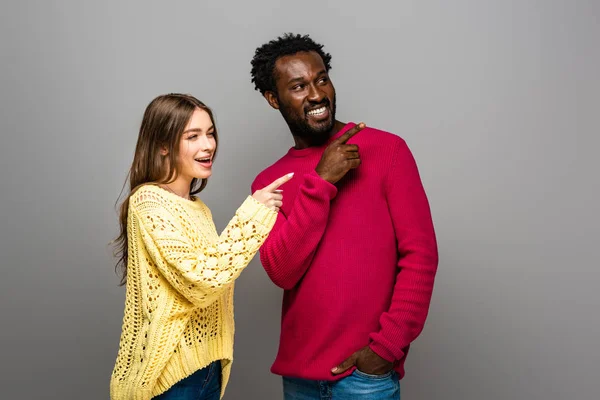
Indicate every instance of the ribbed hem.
{"type": "Point", "coordinates": [185, 364]}
{"type": "Point", "coordinates": [382, 352]}
{"type": "Point", "coordinates": [315, 180]}
{"type": "Point", "coordinates": [252, 209]}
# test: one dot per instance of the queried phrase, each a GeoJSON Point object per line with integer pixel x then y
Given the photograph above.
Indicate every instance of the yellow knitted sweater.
{"type": "Point", "coordinates": [179, 297]}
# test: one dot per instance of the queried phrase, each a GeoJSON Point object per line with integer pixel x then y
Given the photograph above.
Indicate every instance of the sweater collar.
{"type": "Point", "coordinates": [319, 149]}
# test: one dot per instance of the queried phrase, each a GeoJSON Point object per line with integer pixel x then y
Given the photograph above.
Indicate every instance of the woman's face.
{"type": "Point", "coordinates": [197, 147]}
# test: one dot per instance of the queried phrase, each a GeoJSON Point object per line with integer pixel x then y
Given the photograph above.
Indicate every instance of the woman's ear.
{"type": "Point", "coordinates": [163, 151]}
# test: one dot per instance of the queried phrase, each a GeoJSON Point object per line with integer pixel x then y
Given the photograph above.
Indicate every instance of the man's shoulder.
{"type": "Point", "coordinates": [269, 174]}
{"type": "Point", "coordinates": [380, 139]}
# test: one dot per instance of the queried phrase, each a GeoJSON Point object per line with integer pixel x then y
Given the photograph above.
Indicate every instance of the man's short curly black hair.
{"type": "Point", "coordinates": [263, 63]}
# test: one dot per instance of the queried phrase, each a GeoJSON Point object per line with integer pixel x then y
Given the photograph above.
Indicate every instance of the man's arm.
{"type": "Point", "coordinates": [291, 245]}
{"type": "Point", "coordinates": [289, 248]}
{"type": "Point", "coordinates": [418, 258]}
{"type": "Point", "coordinates": [417, 265]}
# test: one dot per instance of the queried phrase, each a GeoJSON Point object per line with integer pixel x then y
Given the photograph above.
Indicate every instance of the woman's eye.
{"type": "Point", "coordinates": [192, 137]}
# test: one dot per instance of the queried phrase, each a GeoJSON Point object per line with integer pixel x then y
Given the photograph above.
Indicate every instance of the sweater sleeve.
{"type": "Point", "coordinates": [291, 245]}
{"type": "Point", "coordinates": [418, 258]}
{"type": "Point", "coordinates": [199, 272]}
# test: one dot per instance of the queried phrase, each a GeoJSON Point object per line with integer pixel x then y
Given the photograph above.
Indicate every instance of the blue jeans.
{"type": "Point", "coordinates": [204, 384]}
{"type": "Point", "coordinates": [358, 386]}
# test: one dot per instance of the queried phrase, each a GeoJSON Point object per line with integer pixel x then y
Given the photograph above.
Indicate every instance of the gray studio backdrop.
{"type": "Point", "coordinates": [499, 101]}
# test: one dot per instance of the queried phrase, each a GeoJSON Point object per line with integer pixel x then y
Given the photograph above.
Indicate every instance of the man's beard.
{"type": "Point", "coordinates": [299, 126]}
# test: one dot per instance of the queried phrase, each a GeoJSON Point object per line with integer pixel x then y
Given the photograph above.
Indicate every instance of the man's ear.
{"type": "Point", "coordinates": [272, 99]}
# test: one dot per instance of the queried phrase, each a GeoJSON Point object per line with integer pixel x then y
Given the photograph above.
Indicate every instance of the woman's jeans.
{"type": "Point", "coordinates": [204, 384]}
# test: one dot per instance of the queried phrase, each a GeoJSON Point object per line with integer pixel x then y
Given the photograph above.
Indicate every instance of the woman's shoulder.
{"type": "Point", "coordinates": [151, 195]}
{"type": "Point", "coordinates": [148, 192]}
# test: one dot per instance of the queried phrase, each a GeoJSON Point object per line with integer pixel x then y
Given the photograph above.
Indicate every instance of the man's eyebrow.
{"type": "Point", "coordinates": [293, 80]}
{"type": "Point", "coordinates": [198, 129]}
{"type": "Point", "coordinates": [301, 79]}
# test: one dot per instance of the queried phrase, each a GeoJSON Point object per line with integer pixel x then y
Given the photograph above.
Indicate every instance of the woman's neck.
{"type": "Point", "coordinates": [180, 187]}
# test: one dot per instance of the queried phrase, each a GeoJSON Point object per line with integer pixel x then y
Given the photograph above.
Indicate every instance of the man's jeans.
{"type": "Point", "coordinates": [358, 386]}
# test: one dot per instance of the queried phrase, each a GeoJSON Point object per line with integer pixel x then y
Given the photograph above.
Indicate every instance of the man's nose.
{"type": "Point", "coordinates": [315, 94]}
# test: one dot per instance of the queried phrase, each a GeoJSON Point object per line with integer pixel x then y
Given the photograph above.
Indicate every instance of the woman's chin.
{"type": "Point", "coordinates": [204, 175]}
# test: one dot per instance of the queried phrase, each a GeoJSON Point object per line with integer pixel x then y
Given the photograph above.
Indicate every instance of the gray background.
{"type": "Point", "coordinates": [499, 101]}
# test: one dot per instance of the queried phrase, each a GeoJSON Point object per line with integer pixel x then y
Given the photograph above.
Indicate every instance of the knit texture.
{"type": "Point", "coordinates": [179, 296]}
{"type": "Point", "coordinates": [357, 259]}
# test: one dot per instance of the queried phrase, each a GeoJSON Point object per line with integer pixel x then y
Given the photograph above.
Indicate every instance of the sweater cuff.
{"type": "Point", "coordinates": [313, 179]}
{"type": "Point", "coordinates": [252, 209]}
{"type": "Point", "coordinates": [383, 352]}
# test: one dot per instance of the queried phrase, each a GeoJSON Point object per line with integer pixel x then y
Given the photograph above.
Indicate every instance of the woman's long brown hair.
{"type": "Point", "coordinates": [163, 124]}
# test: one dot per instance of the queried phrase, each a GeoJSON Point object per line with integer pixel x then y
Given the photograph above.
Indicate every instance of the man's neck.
{"type": "Point", "coordinates": [306, 142]}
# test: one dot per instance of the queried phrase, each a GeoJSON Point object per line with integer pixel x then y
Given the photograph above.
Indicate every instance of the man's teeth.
{"type": "Point", "coordinates": [318, 111]}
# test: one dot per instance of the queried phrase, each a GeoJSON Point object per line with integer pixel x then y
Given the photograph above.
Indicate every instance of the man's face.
{"type": "Point", "coordinates": [305, 95]}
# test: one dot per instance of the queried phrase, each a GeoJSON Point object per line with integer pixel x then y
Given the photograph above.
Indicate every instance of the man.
{"type": "Point", "coordinates": [353, 246]}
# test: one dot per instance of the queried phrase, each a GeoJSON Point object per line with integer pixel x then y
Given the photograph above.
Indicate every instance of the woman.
{"type": "Point", "coordinates": [177, 336]}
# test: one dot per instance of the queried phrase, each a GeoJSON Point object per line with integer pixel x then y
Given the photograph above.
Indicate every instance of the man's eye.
{"type": "Point", "coordinates": [296, 87]}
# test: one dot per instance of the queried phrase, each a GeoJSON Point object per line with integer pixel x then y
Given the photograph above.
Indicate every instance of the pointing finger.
{"type": "Point", "coordinates": [278, 182]}
{"type": "Point", "coordinates": [346, 136]}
